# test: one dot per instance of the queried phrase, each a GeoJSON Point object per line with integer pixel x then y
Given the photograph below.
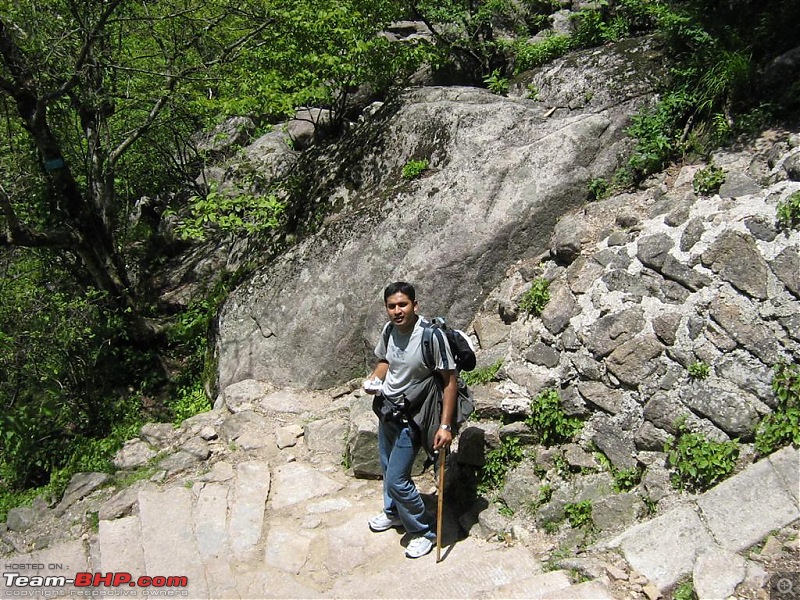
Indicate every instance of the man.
{"type": "Point", "coordinates": [398, 378]}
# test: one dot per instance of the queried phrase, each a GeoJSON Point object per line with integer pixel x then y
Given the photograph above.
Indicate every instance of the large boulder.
{"type": "Point", "coordinates": [502, 171]}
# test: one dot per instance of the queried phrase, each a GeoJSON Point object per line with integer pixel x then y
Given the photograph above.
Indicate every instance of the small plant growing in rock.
{"type": "Point", "coordinates": [536, 298]}
{"type": "Point", "coordinates": [782, 426]}
{"type": "Point", "coordinates": [699, 370]}
{"type": "Point", "coordinates": [579, 514]}
{"type": "Point", "coordinates": [497, 84]}
{"type": "Point", "coordinates": [533, 92]}
{"type": "Point", "coordinates": [684, 591]}
{"type": "Point", "coordinates": [548, 420]}
{"type": "Point", "coordinates": [788, 212]}
{"type": "Point", "coordinates": [627, 479]}
{"type": "Point", "coordinates": [483, 375]}
{"type": "Point", "coordinates": [708, 180]}
{"type": "Point", "coordinates": [498, 462]}
{"type": "Point", "coordinates": [598, 189]}
{"type": "Point", "coordinates": [697, 462]}
{"type": "Point", "coordinates": [414, 168]}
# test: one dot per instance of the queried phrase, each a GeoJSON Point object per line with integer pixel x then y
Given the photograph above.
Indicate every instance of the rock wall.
{"type": "Point", "coordinates": [645, 286]}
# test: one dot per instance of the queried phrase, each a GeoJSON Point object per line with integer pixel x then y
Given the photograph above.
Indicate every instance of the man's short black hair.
{"type": "Point", "coordinates": [400, 287]}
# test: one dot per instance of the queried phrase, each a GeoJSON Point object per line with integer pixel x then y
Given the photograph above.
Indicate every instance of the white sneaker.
{"type": "Point", "coordinates": [382, 522]}
{"type": "Point", "coordinates": [419, 546]}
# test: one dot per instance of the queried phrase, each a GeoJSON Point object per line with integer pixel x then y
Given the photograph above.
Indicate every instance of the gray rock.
{"type": "Point", "coordinates": [362, 440]}
{"type": "Point", "coordinates": [665, 327]}
{"type": "Point", "coordinates": [520, 487]}
{"type": "Point", "coordinates": [635, 360]}
{"type": "Point", "coordinates": [21, 518]}
{"type": "Point", "coordinates": [491, 330]}
{"type": "Point", "coordinates": [691, 234]}
{"type": "Point", "coordinates": [286, 437]}
{"type": "Point", "coordinates": [501, 174]}
{"type": "Point", "coordinates": [542, 354]}
{"type": "Point", "coordinates": [560, 309]}
{"type": "Point", "coordinates": [786, 267]}
{"type": "Point", "coordinates": [614, 513]}
{"type": "Point", "coordinates": [578, 459]}
{"type": "Point", "coordinates": [159, 435]}
{"type": "Point", "coordinates": [609, 332]}
{"type": "Point", "coordinates": [245, 395]}
{"type": "Point", "coordinates": [686, 276]}
{"type": "Point", "coordinates": [588, 367]}
{"type": "Point", "coordinates": [80, 486]}
{"type": "Point", "coordinates": [327, 436]}
{"type": "Point", "coordinates": [616, 443]}
{"type": "Point", "coordinates": [650, 437]}
{"type": "Point", "coordinates": [178, 462]}
{"type": "Point", "coordinates": [727, 406]}
{"type": "Point", "coordinates": [738, 184]}
{"type": "Point", "coordinates": [735, 258]}
{"type": "Point", "coordinates": [717, 572]}
{"type": "Point", "coordinates": [602, 396]}
{"type": "Point", "coordinates": [566, 240]}
{"type": "Point", "coordinates": [653, 250]}
{"type": "Point", "coordinates": [475, 440]}
{"type": "Point", "coordinates": [133, 454]}
{"type": "Point", "coordinates": [582, 274]}
{"type": "Point", "coordinates": [197, 447]}
{"type": "Point", "coordinates": [740, 321]}
{"type": "Point", "coordinates": [240, 423]}
{"type": "Point", "coordinates": [761, 228]}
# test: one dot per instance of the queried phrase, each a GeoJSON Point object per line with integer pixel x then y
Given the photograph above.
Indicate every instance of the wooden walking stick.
{"type": "Point", "coordinates": [439, 510]}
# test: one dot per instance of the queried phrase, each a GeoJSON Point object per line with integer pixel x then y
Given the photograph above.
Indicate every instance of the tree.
{"type": "Point", "coordinates": [89, 90]}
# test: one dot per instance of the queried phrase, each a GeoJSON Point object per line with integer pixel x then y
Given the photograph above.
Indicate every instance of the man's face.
{"type": "Point", "coordinates": [401, 311]}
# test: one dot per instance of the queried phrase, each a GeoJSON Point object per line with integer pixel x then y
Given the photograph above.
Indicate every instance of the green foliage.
{"type": "Point", "coordinates": [627, 479]}
{"type": "Point", "coordinates": [699, 463]}
{"type": "Point", "coordinates": [414, 168]}
{"type": "Point", "coordinates": [788, 211]}
{"type": "Point", "coordinates": [484, 375]}
{"type": "Point", "coordinates": [190, 401]}
{"type": "Point", "coordinates": [239, 213]}
{"type": "Point", "coordinates": [536, 298]}
{"type": "Point", "coordinates": [529, 56]}
{"type": "Point", "coordinates": [598, 189]}
{"type": "Point", "coordinates": [548, 420]}
{"type": "Point", "coordinates": [782, 426]}
{"type": "Point", "coordinates": [699, 370]}
{"type": "Point", "coordinates": [708, 180]}
{"type": "Point", "coordinates": [496, 83]}
{"type": "Point", "coordinates": [684, 591]}
{"type": "Point", "coordinates": [579, 514]}
{"type": "Point", "coordinates": [498, 462]}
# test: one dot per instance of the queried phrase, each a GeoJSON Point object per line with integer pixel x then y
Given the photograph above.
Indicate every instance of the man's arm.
{"type": "Point", "coordinates": [444, 437]}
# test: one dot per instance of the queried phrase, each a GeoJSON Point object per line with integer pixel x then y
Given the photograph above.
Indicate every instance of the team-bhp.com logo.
{"type": "Point", "coordinates": [19, 585]}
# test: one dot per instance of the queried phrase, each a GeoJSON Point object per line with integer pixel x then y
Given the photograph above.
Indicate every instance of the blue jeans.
{"type": "Point", "coordinates": [397, 450]}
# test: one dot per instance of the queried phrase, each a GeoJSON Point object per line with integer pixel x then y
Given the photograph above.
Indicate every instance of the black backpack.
{"type": "Point", "coordinates": [459, 342]}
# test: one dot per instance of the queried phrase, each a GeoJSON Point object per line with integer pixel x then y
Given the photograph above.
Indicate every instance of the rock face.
{"type": "Point", "coordinates": [502, 171]}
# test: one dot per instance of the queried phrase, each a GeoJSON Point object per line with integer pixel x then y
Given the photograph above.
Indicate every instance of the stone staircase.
{"type": "Point", "coordinates": [312, 541]}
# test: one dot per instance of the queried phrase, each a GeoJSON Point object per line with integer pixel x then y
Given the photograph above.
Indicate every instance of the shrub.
{"type": "Point", "coordinates": [414, 168]}
{"type": "Point", "coordinates": [598, 189]}
{"type": "Point", "coordinates": [498, 462]}
{"type": "Point", "coordinates": [536, 298]}
{"type": "Point", "coordinates": [699, 463]}
{"type": "Point", "coordinates": [579, 514]}
{"type": "Point", "coordinates": [699, 370]}
{"type": "Point", "coordinates": [788, 212]}
{"type": "Point", "coordinates": [782, 426]}
{"type": "Point", "coordinates": [497, 84]}
{"type": "Point", "coordinates": [708, 180]}
{"type": "Point", "coordinates": [548, 420]}
{"type": "Point", "coordinates": [484, 375]}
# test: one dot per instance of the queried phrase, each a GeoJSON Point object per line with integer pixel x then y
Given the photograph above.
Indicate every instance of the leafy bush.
{"type": "Point", "coordinates": [699, 370]}
{"type": "Point", "coordinates": [579, 514]}
{"type": "Point", "coordinates": [529, 56]}
{"type": "Point", "coordinates": [782, 426]}
{"type": "Point", "coordinates": [536, 298]}
{"type": "Point", "coordinates": [496, 83]}
{"type": "Point", "coordinates": [548, 420]}
{"type": "Point", "coordinates": [697, 462]}
{"type": "Point", "coordinates": [788, 211]}
{"type": "Point", "coordinates": [708, 180]}
{"type": "Point", "coordinates": [484, 375]}
{"type": "Point", "coordinates": [498, 462]}
{"type": "Point", "coordinates": [414, 168]}
{"type": "Point", "coordinates": [598, 189]}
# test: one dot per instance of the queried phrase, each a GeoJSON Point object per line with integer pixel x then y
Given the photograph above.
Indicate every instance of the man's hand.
{"type": "Point", "coordinates": [442, 439]}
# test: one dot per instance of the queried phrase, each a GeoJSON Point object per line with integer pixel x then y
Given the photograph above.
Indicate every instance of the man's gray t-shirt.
{"type": "Point", "coordinates": [404, 355]}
